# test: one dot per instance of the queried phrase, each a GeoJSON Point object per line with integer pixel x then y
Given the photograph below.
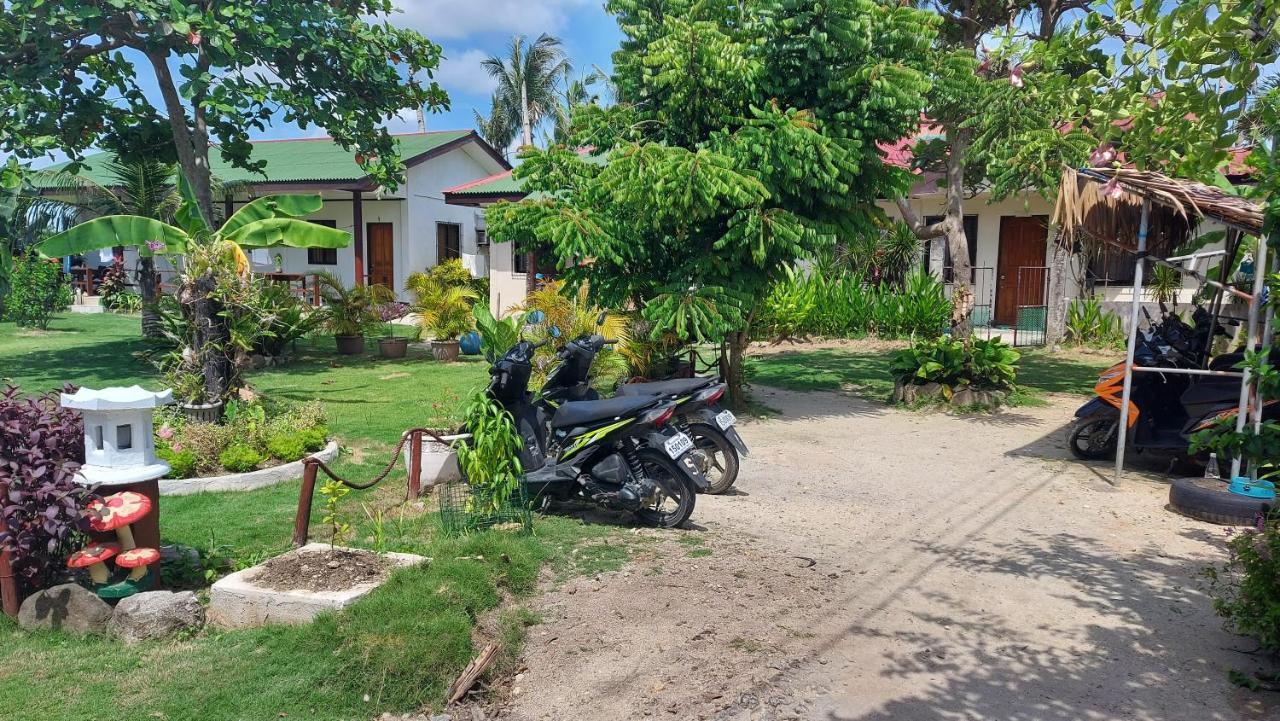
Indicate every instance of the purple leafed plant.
{"type": "Point", "coordinates": [394, 310]}
{"type": "Point", "coordinates": [41, 507]}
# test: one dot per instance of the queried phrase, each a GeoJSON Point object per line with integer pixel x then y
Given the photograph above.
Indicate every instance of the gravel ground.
{"type": "Point", "coordinates": [880, 564]}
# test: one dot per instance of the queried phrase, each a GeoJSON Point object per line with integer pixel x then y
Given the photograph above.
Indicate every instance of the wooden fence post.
{"type": "Point", "coordinates": [8, 588]}
{"type": "Point", "coordinates": [415, 465]}
{"type": "Point", "coordinates": [302, 521]}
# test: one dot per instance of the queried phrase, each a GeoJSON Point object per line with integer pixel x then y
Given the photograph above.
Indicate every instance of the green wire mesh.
{"type": "Point", "coordinates": [1031, 325]}
{"type": "Point", "coordinates": [465, 509]}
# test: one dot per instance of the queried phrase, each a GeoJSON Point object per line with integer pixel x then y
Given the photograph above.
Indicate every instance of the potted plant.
{"type": "Point", "coordinates": [351, 311]}
{"type": "Point", "coordinates": [444, 311]}
{"type": "Point", "coordinates": [279, 261]}
{"type": "Point", "coordinates": [391, 345]}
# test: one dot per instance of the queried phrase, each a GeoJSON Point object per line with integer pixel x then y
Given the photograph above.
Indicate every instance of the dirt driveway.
{"type": "Point", "coordinates": [881, 564]}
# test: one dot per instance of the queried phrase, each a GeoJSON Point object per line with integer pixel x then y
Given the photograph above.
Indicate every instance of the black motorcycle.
{"type": "Point", "coordinates": [697, 412]}
{"type": "Point", "coordinates": [1165, 409]}
{"type": "Point", "coordinates": [621, 453]}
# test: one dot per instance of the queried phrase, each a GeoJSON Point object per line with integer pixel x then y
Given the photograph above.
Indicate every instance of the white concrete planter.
{"type": "Point", "coordinates": [244, 481]}
{"type": "Point", "coordinates": [439, 461]}
{"type": "Point", "coordinates": [235, 602]}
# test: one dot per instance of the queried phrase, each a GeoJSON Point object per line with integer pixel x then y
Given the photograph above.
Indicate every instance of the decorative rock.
{"type": "Point", "coordinates": [965, 396]}
{"type": "Point", "coordinates": [155, 614]}
{"type": "Point", "coordinates": [68, 607]}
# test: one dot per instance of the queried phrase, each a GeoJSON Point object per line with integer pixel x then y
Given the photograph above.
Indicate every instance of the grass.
{"type": "Point", "coordinates": [399, 647]}
{"type": "Point", "coordinates": [867, 372]}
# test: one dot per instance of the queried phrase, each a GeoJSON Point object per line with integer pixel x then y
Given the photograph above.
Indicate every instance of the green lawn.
{"type": "Point", "coordinates": [867, 372]}
{"type": "Point", "coordinates": [401, 646]}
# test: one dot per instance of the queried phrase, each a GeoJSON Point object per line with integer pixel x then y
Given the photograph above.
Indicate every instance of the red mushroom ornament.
{"type": "Point", "coordinates": [137, 559]}
{"type": "Point", "coordinates": [116, 512]}
{"type": "Point", "coordinates": [92, 558]}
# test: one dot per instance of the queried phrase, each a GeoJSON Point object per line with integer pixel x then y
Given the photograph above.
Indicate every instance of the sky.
{"type": "Point", "coordinates": [469, 31]}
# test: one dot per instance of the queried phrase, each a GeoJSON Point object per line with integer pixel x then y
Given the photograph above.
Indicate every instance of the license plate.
{"type": "Point", "coordinates": [678, 445]}
{"type": "Point", "coordinates": [724, 419]}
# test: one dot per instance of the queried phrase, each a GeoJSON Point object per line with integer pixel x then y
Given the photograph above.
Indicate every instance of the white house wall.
{"type": "Point", "coordinates": [506, 287]}
{"type": "Point", "coordinates": [426, 206]}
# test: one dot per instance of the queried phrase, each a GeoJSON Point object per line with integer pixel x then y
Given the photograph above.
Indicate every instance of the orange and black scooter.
{"type": "Point", "coordinates": [1165, 409]}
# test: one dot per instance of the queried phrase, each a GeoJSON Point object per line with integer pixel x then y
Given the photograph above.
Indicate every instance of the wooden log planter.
{"type": "Point", "coordinates": [960, 396]}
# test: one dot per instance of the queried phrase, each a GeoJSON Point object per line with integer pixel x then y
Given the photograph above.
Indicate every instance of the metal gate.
{"type": "Point", "coordinates": [983, 287]}
{"type": "Point", "coordinates": [1031, 300]}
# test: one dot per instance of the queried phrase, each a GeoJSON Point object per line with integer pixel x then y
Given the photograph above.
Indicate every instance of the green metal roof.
{"type": "Point", "coordinates": [292, 161]}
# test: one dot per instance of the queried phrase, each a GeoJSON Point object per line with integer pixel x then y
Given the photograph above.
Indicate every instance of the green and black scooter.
{"type": "Point", "coordinates": [620, 453]}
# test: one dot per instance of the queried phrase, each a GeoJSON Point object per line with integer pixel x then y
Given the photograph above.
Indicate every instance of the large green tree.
{"type": "Point", "coordinates": [71, 77]}
{"type": "Point", "coordinates": [1022, 88]}
{"type": "Point", "coordinates": [744, 137]}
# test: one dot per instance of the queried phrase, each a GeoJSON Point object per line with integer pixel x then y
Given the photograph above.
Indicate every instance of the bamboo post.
{"type": "Point", "coordinates": [302, 520]}
{"type": "Point", "coordinates": [1122, 433]}
{"type": "Point", "coordinates": [415, 465]}
{"type": "Point", "coordinates": [8, 587]}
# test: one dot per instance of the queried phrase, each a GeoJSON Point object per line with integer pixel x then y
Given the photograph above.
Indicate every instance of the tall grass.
{"type": "Point", "coordinates": [824, 302]}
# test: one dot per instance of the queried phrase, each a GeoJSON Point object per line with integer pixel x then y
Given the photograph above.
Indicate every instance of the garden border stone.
{"type": "Point", "coordinates": [236, 602]}
{"type": "Point", "coordinates": [245, 481]}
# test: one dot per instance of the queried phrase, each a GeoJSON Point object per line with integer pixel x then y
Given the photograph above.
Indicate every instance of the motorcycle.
{"type": "Point", "coordinates": [697, 413]}
{"type": "Point", "coordinates": [621, 453]}
{"type": "Point", "coordinates": [1165, 409]}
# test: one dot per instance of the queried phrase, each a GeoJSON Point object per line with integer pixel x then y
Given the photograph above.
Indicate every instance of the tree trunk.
{"type": "Point", "coordinates": [212, 338]}
{"type": "Point", "coordinates": [734, 373]}
{"type": "Point", "coordinates": [525, 121]}
{"type": "Point", "coordinates": [194, 165]}
{"type": "Point", "coordinates": [1056, 323]}
{"type": "Point", "coordinates": [146, 278]}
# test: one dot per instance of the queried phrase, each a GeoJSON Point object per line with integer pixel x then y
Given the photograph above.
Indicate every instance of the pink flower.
{"type": "Point", "coordinates": [1015, 76]}
{"type": "Point", "coordinates": [984, 66]}
{"type": "Point", "coordinates": [165, 432]}
{"type": "Point", "coordinates": [176, 447]}
{"type": "Point", "coordinates": [155, 246]}
{"type": "Point", "coordinates": [1102, 155]}
{"type": "Point", "coordinates": [1111, 189]}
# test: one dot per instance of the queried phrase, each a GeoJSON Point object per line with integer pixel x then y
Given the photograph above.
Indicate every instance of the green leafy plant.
{"type": "Point", "coordinates": [824, 301]}
{"type": "Point", "coordinates": [983, 364]}
{"type": "Point", "coordinates": [240, 458]}
{"type": "Point", "coordinates": [377, 527]}
{"type": "Point", "coordinates": [182, 464]}
{"type": "Point", "coordinates": [444, 299]}
{"type": "Point", "coordinates": [1259, 451]}
{"type": "Point", "coordinates": [573, 314]}
{"type": "Point", "coordinates": [489, 460]}
{"type": "Point", "coordinates": [1089, 324]}
{"type": "Point", "coordinates": [1246, 588]}
{"type": "Point", "coordinates": [38, 289]}
{"type": "Point", "coordinates": [333, 491]}
{"type": "Point", "coordinates": [286, 447]}
{"type": "Point", "coordinates": [1164, 284]}
{"type": "Point", "coordinates": [497, 335]}
{"type": "Point", "coordinates": [352, 310]}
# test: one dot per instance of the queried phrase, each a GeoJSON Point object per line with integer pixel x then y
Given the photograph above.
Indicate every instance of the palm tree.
{"type": "Point", "coordinates": [142, 187]}
{"type": "Point", "coordinates": [574, 93]}
{"type": "Point", "coordinates": [527, 80]}
{"type": "Point", "coordinates": [496, 129]}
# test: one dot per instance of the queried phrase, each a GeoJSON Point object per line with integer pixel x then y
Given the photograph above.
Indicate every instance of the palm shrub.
{"type": "Point", "coordinates": [443, 307]}
{"type": "Point", "coordinates": [1089, 324]}
{"type": "Point", "coordinates": [573, 314]}
{"type": "Point", "coordinates": [351, 310]}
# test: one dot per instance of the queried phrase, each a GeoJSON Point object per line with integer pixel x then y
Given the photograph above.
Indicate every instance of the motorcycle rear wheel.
{"type": "Point", "coordinates": [676, 496]}
{"type": "Point", "coordinates": [1083, 443]}
{"type": "Point", "coordinates": [722, 458]}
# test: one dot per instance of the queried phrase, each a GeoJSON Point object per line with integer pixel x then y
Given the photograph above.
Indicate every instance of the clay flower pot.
{"type": "Point", "coordinates": [393, 347]}
{"type": "Point", "coordinates": [350, 344]}
{"type": "Point", "coordinates": [445, 350]}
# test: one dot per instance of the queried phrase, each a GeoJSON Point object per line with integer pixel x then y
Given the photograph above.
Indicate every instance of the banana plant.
{"type": "Point", "coordinates": [271, 220]}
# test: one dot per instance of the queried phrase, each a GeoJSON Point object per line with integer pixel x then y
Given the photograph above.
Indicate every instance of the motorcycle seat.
{"type": "Point", "coordinates": [583, 413]}
{"type": "Point", "coordinates": [673, 387]}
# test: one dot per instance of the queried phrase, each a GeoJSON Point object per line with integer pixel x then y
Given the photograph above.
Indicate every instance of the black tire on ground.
{"type": "Point", "coordinates": [722, 457]}
{"type": "Point", "coordinates": [1080, 442]}
{"type": "Point", "coordinates": [1206, 499]}
{"type": "Point", "coordinates": [680, 493]}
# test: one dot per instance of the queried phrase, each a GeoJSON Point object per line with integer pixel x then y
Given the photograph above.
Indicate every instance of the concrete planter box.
{"type": "Point", "coordinates": [439, 461]}
{"type": "Point", "coordinates": [235, 602]}
{"type": "Point", "coordinates": [244, 481]}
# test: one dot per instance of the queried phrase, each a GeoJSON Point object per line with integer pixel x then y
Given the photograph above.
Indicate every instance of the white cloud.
{"type": "Point", "coordinates": [438, 19]}
{"type": "Point", "coordinates": [461, 73]}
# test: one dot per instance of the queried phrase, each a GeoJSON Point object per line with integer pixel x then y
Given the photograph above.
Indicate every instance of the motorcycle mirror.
{"type": "Point", "coordinates": [601, 318]}
{"type": "Point", "coordinates": [555, 331]}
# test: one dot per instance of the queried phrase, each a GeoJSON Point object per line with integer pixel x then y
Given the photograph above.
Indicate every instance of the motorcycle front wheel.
{"type": "Point", "coordinates": [1093, 438]}
{"type": "Point", "coordinates": [673, 502]}
{"type": "Point", "coordinates": [721, 468]}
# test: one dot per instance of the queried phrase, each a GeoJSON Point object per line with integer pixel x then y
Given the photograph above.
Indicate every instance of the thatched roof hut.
{"type": "Point", "coordinates": [1105, 205]}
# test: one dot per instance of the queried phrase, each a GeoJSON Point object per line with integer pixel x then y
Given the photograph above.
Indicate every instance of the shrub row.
{"type": "Point", "coordinates": [820, 301]}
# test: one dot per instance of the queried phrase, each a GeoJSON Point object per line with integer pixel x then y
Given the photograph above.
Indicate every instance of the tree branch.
{"type": "Point", "coordinates": [923, 231]}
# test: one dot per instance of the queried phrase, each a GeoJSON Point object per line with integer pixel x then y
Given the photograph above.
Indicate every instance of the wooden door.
{"type": "Point", "coordinates": [381, 255]}
{"type": "Point", "coordinates": [1022, 245]}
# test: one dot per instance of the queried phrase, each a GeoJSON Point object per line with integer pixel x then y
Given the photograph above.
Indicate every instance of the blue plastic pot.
{"type": "Point", "coordinates": [470, 343]}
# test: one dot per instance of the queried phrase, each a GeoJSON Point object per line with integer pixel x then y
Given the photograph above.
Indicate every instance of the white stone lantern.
{"type": "Point", "coordinates": [119, 443]}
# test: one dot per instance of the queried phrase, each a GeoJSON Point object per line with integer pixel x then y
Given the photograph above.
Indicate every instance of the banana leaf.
{"type": "Point", "coordinates": [273, 206]}
{"type": "Point", "coordinates": [288, 231]}
{"type": "Point", "coordinates": [112, 230]}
